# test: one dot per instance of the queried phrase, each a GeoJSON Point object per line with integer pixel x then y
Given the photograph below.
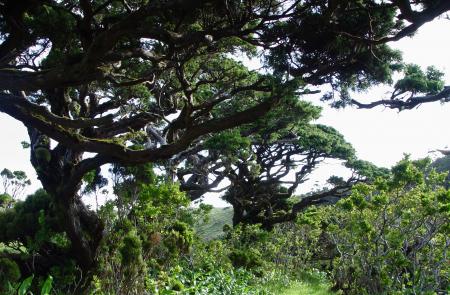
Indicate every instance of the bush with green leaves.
{"type": "Point", "coordinates": [11, 285]}
{"type": "Point", "coordinates": [392, 236]}
{"type": "Point", "coordinates": [289, 247]}
{"type": "Point", "coordinates": [208, 269]}
{"type": "Point", "coordinates": [148, 228]}
{"type": "Point", "coordinates": [389, 236]}
{"type": "Point", "coordinates": [183, 279]}
{"type": "Point", "coordinates": [29, 235]}
{"type": "Point", "coordinates": [152, 266]}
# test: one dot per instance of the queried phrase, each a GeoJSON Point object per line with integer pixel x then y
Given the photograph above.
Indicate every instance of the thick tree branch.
{"type": "Point", "coordinates": [122, 153]}
{"type": "Point", "coordinates": [42, 112]}
{"type": "Point", "coordinates": [63, 76]}
{"type": "Point", "coordinates": [410, 103]}
{"type": "Point", "coordinates": [417, 19]}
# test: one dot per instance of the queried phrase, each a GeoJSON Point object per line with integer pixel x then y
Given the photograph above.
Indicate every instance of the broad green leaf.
{"type": "Point", "coordinates": [25, 285]}
{"type": "Point", "coordinates": [47, 287]}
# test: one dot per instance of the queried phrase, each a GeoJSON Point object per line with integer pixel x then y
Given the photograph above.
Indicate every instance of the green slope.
{"type": "Point", "coordinates": [443, 165]}
{"type": "Point", "coordinates": [212, 228]}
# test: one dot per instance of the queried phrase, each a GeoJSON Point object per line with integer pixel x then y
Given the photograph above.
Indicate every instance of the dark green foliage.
{"type": "Point", "coordinates": [325, 139]}
{"type": "Point", "coordinates": [30, 232]}
{"type": "Point", "coordinates": [131, 249]}
{"type": "Point", "coordinates": [150, 248]}
{"type": "Point", "coordinates": [416, 81]}
{"type": "Point", "coordinates": [43, 155]}
{"type": "Point", "coordinates": [228, 142]}
{"type": "Point", "coordinates": [247, 258]}
{"type": "Point", "coordinates": [94, 181]}
{"type": "Point", "coordinates": [180, 237]}
{"type": "Point", "coordinates": [386, 237]}
{"type": "Point", "coordinates": [144, 233]}
{"type": "Point", "coordinates": [9, 273]}
{"type": "Point", "coordinates": [367, 169]}
{"type": "Point", "coordinates": [319, 39]}
{"type": "Point", "coordinates": [22, 221]}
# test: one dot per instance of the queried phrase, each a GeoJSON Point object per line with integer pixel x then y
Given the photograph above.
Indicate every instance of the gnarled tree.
{"type": "Point", "coordinates": [96, 76]}
{"type": "Point", "coordinates": [264, 163]}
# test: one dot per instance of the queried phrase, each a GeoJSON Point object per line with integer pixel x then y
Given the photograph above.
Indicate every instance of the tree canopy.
{"type": "Point", "coordinates": [131, 82]}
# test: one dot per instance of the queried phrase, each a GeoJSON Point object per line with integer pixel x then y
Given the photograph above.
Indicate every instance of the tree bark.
{"type": "Point", "coordinates": [55, 169]}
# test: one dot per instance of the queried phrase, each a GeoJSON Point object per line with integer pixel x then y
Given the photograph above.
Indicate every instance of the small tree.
{"type": "Point", "coordinates": [14, 182]}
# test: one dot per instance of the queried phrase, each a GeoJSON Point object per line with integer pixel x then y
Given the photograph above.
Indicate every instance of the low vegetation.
{"type": "Point", "coordinates": [388, 236]}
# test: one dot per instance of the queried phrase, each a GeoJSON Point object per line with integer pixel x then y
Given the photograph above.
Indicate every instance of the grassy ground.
{"type": "Point", "coordinates": [212, 229]}
{"type": "Point", "coordinates": [307, 288]}
{"type": "Point", "coordinates": [306, 283]}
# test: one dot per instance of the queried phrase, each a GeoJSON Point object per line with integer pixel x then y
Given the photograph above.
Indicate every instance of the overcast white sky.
{"type": "Point", "coordinates": [378, 135]}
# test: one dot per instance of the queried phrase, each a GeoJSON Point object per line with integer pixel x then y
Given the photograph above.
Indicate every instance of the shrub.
{"type": "Point", "coordinates": [247, 258]}
{"type": "Point", "coordinates": [393, 235]}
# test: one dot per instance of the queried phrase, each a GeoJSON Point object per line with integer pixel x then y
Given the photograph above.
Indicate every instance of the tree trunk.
{"type": "Point", "coordinates": [85, 231]}
{"type": "Point", "coordinates": [82, 226]}
{"type": "Point", "coordinates": [238, 214]}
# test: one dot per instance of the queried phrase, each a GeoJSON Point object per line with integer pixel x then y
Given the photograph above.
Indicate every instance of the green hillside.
{"type": "Point", "coordinates": [443, 165]}
{"type": "Point", "coordinates": [212, 227]}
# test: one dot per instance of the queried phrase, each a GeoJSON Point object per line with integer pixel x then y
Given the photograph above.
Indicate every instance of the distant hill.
{"type": "Point", "coordinates": [212, 228]}
{"type": "Point", "coordinates": [443, 165]}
